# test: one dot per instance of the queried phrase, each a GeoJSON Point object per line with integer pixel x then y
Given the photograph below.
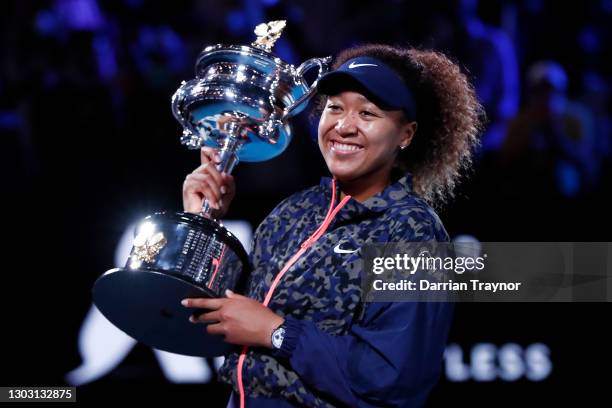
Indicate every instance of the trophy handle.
{"type": "Point", "coordinates": [230, 145]}
{"type": "Point", "coordinates": [189, 138]}
{"type": "Point", "coordinates": [322, 64]}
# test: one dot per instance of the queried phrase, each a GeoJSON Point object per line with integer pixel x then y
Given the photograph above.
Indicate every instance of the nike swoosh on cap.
{"type": "Point", "coordinates": [354, 65]}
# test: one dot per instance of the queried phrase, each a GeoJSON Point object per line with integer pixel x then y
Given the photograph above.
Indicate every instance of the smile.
{"type": "Point", "coordinates": [344, 148]}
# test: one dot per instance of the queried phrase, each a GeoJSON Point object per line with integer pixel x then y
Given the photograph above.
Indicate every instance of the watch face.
{"type": "Point", "coordinates": [277, 337]}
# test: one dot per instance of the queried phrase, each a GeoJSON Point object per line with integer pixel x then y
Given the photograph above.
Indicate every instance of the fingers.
{"type": "Point", "coordinates": [210, 158]}
{"type": "Point", "coordinates": [208, 154]}
{"type": "Point", "coordinates": [216, 328]}
{"type": "Point", "coordinates": [210, 170]}
{"type": "Point", "coordinates": [210, 317]}
{"type": "Point", "coordinates": [215, 325]}
{"type": "Point", "coordinates": [205, 185]}
{"type": "Point", "coordinates": [229, 186]}
{"type": "Point", "coordinates": [203, 303]}
{"type": "Point", "coordinates": [197, 186]}
{"type": "Point", "coordinates": [213, 186]}
{"type": "Point", "coordinates": [221, 179]}
{"type": "Point", "coordinates": [206, 182]}
{"type": "Point", "coordinates": [233, 295]}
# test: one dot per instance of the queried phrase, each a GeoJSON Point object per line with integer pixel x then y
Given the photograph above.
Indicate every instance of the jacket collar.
{"type": "Point", "coordinates": [378, 203]}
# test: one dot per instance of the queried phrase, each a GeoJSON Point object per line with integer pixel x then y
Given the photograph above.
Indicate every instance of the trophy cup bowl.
{"type": "Point", "coordinates": [239, 102]}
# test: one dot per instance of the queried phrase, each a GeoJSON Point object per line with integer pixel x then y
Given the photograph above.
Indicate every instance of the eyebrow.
{"type": "Point", "coordinates": [360, 97]}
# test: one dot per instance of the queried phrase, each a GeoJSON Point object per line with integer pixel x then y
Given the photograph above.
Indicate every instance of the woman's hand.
{"type": "Point", "coordinates": [207, 183]}
{"type": "Point", "coordinates": [240, 319]}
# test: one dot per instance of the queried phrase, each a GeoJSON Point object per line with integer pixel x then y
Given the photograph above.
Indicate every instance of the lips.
{"type": "Point", "coordinates": [342, 147]}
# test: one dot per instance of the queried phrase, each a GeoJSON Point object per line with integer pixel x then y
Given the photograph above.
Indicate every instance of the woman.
{"type": "Point", "coordinates": [397, 127]}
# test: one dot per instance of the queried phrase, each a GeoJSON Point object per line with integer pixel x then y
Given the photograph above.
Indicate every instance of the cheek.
{"type": "Point", "coordinates": [384, 143]}
{"type": "Point", "coordinates": [324, 126]}
{"type": "Point", "coordinates": [320, 132]}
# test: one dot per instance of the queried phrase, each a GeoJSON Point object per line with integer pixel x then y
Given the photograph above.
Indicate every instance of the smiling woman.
{"type": "Point", "coordinates": [359, 142]}
{"type": "Point", "coordinates": [397, 127]}
{"type": "Point", "coordinates": [441, 103]}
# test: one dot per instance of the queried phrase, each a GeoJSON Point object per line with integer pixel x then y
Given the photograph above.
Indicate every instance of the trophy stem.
{"type": "Point", "coordinates": [228, 155]}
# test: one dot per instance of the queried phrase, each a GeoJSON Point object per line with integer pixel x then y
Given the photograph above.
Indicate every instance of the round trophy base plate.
{"type": "Point", "coordinates": [146, 305]}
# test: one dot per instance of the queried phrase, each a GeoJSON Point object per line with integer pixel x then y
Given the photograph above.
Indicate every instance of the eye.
{"type": "Point", "coordinates": [368, 113]}
{"type": "Point", "coordinates": [334, 108]}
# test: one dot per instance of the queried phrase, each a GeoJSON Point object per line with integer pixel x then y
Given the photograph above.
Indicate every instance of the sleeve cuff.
{"type": "Point", "coordinates": [293, 331]}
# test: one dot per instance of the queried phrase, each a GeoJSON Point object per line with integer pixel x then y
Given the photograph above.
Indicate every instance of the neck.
{"type": "Point", "coordinates": [364, 187]}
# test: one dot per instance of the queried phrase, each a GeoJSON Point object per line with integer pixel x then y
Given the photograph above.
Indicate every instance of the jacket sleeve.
{"type": "Point", "coordinates": [392, 358]}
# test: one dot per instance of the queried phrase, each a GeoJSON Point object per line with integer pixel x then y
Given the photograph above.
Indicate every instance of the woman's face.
{"type": "Point", "coordinates": [360, 140]}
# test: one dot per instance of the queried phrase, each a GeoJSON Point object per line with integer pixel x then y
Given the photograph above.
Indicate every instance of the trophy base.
{"type": "Point", "coordinates": [146, 305]}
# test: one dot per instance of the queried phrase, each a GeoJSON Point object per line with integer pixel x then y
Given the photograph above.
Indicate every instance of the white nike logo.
{"type": "Point", "coordinates": [339, 250]}
{"type": "Point", "coordinates": [354, 65]}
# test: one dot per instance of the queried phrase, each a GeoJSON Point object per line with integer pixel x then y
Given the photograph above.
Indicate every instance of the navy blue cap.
{"type": "Point", "coordinates": [378, 79]}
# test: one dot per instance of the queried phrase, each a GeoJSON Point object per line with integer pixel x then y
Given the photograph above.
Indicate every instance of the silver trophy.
{"type": "Point", "coordinates": [239, 102]}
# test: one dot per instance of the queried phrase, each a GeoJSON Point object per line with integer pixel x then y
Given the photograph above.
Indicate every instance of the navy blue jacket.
{"type": "Point", "coordinates": [338, 350]}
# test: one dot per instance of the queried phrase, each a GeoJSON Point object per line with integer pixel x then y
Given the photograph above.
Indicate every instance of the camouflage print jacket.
{"type": "Point", "coordinates": [338, 351]}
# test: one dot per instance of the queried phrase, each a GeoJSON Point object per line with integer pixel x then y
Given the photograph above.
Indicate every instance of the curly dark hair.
{"type": "Point", "coordinates": [449, 117]}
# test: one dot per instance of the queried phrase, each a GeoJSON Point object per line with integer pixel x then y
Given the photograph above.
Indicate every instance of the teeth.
{"type": "Point", "coordinates": [345, 147]}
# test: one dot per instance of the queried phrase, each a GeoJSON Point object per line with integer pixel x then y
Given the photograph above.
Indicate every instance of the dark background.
{"type": "Point", "coordinates": [89, 145]}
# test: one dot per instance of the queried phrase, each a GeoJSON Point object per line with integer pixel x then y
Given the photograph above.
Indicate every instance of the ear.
{"type": "Point", "coordinates": [407, 132]}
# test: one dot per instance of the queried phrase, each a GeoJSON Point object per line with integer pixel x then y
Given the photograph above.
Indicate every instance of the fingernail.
{"type": "Point", "coordinates": [184, 302]}
{"type": "Point", "coordinates": [223, 190]}
{"type": "Point", "coordinates": [191, 319]}
{"type": "Point", "coordinates": [217, 157]}
{"type": "Point", "coordinates": [228, 292]}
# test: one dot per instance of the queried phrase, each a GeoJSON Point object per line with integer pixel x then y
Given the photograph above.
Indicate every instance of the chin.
{"type": "Point", "coordinates": [344, 175]}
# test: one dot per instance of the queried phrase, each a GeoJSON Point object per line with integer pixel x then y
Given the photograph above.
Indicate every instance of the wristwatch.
{"type": "Point", "coordinates": [278, 335]}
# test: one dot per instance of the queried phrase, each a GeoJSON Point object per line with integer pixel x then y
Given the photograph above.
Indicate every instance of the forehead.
{"type": "Point", "coordinates": [350, 96]}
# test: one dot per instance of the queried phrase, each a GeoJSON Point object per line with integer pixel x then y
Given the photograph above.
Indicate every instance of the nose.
{"type": "Point", "coordinates": [346, 125]}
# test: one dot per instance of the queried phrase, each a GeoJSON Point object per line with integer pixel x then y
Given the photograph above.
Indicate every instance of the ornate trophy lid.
{"type": "Point", "coordinates": [268, 33]}
{"type": "Point", "coordinates": [249, 86]}
{"type": "Point", "coordinates": [260, 49]}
